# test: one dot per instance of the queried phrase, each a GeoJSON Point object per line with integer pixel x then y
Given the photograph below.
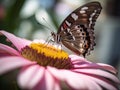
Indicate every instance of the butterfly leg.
{"type": "Point", "coordinates": [49, 40]}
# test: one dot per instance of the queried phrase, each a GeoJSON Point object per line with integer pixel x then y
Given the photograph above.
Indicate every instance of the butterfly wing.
{"type": "Point", "coordinates": [77, 30]}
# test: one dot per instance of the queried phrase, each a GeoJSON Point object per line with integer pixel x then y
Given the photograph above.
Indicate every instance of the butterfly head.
{"type": "Point", "coordinates": [56, 37]}
{"type": "Point", "coordinates": [53, 34]}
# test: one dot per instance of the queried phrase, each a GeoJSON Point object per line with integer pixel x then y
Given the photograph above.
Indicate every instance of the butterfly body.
{"type": "Point", "coordinates": [77, 31]}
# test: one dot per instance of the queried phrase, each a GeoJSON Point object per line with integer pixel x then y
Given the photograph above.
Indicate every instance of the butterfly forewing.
{"type": "Point", "coordinates": [77, 31]}
{"type": "Point", "coordinates": [85, 15]}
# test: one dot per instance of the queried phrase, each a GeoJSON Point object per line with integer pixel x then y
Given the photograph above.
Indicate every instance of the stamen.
{"type": "Point", "coordinates": [47, 55]}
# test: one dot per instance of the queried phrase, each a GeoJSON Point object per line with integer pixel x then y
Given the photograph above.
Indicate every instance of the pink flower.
{"type": "Point", "coordinates": [47, 74]}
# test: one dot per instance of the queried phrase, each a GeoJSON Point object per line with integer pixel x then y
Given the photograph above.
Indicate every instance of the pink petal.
{"type": "Point", "coordinates": [17, 42]}
{"type": "Point", "coordinates": [85, 65]}
{"type": "Point", "coordinates": [77, 81]}
{"type": "Point", "coordinates": [77, 60]}
{"type": "Point", "coordinates": [4, 54]}
{"type": "Point", "coordinates": [74, 80]}
{"type": "Point", "coordinates": [8, 50]}
{"type": "Point", "coordinates": [48, 82]}
{"type": "Point", "coordinates": [51, 83]}
{"type": "Point", "coordinates": [107, 67]}
{"type": "Point", "coordinates": [82, 63]}
{"type": "Point", "coordinates": [98, 72]}
{"type": "Point", "coordinates": [12, 62]}
{"type": "Point", "coordinates": [102, 83]}
{"type": "Point", "coordinates": [76, 57]}
{"type": "Point", "coordinates": [30, 76]}
{"type": "Point", "coordinates": [82, 81]}
{"type": "Point", "coordinates": [37, 78]}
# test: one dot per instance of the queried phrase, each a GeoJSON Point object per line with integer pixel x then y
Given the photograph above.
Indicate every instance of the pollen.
{"type": "Point", "coordinates": [47, 55]}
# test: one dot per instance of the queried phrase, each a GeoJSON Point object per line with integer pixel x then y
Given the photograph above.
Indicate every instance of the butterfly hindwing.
{"type": "Point", "coordinates": [76, 39]}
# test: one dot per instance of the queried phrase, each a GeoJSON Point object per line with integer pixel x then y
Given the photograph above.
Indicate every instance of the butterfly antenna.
{"type": "Point", "coordinates": [49, 39]}
{"type": "Point", "coordinates": [50, 27]}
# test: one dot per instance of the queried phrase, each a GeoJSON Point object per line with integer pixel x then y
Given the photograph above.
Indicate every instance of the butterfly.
{"type": "Point", "coordinates": [77, 31]}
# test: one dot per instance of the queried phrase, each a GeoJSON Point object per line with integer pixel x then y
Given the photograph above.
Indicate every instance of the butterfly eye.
{"type": "Point", "coordinates": [53, 34]}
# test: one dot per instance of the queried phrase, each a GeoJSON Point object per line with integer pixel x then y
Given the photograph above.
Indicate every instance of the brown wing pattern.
{"type": "Point", "coordinates": [77, 30]}
{"type": "Point", "coordinates": [83, 18]}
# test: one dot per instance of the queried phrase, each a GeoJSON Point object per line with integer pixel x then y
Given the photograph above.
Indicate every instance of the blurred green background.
{"type": "Point", "coordinates": [35, 19]}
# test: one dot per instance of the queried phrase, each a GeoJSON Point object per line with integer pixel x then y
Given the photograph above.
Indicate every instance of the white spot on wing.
{"type": "Point", "coordinates": [73, 38]}
{"type": "Point", "coordinates": [84, 8]}
{"type": "Point", "coordinates": [72, 44]}
{"type": "Point", "coordinates": [64, 32]}
{"type": "Point", "coordinates": [61, 28]}
{"type": "Point", "coordinates": [93, 13]}
{"type": "Point", "coordinates": [68, 30]}
{"type": "Point", "coordinates": [68, 23]}
{"type": "Point", "coordinates": [82, 12]}
{"type": "Point", "coordinates": [70, 33]}
{"type": "Point", "coordinates": [91, 17]}
{"type": "Point", "coordinates": [74, 16]}
{"type": "Point", "coordinates": [78, 31]}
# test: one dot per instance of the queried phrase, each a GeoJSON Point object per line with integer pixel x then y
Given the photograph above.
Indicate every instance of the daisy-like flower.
{"type": "Point", "coordinates": [44, 67]}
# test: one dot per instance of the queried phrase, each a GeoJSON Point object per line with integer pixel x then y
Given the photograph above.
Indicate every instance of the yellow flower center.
{"type": "Point", "coordinates": [46, 55]}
